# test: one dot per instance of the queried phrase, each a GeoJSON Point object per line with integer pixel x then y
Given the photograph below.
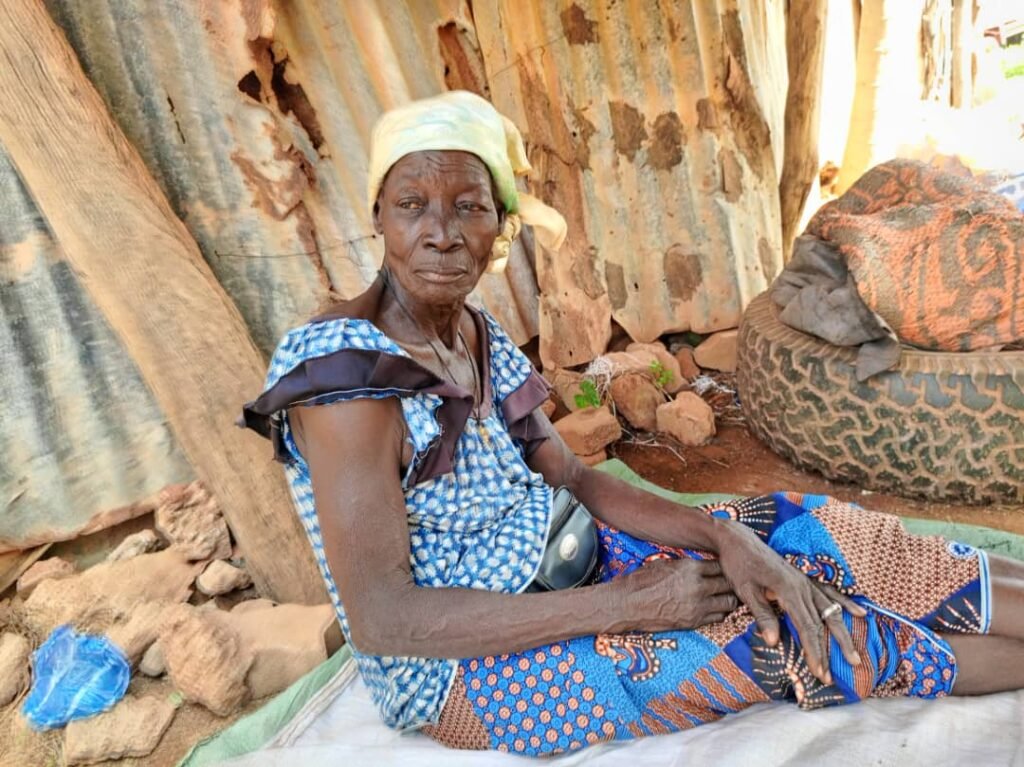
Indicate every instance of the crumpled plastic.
{"type": "Point", "coordinates": [74, 676]}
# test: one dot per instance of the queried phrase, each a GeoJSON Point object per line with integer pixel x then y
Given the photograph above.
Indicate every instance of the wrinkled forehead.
{"type": "Point", "coordinates": [435, 166]}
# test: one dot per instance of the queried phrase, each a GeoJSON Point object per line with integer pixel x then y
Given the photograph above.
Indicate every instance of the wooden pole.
{"type": "Point", "coordinates": [963, 53]}
{"type": "Point", "coordinates": [889, 84]}
{"type": "Point", "coordinates": [805, 52]}
{"type": "Point", "coordinates": [146, 274]}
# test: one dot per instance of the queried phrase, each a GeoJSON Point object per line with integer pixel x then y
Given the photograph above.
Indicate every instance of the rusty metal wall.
{"type": "Point", "coordinates": [254, 117]}
{"type": "Point", "coordinates": [656, 126]}
{"type": "Point", "coordinates": [78, 423]}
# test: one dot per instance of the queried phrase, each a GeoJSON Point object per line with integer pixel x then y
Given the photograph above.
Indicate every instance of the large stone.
{"type": "Point", "coordinates": [566, 384]}
{"type": "Point", "coordinates": [592, 460]}
{"type": "Point", "coordinates": [718, 351]}
{"type": "Point", "coordinates": [189, 517]}
{"type": "Point", "coordinates": [206, 661]}
{"type": "Point", "coordinates": [111, 589]}
{"type": "Point", "coordinates": [687, 366]}
{"type": "Point", "coordinates": [152, 663]}
{"type": "Point", "coordinates": [14, 675]}
{"type": "Point", "coordinates": [143, 625]}
{"type": "Point", "coordinates": [688, 418]}
{"type": "Point", "coordinates": [132, 728]}
{"type": "Point", "coordinates": [286, 642]}
{"type": "Point", "coordinates": [220, 577]}
{"type": "Point", "coordinates": [44, 569]}
{"type": "Point", "coordinates": [675, 379]}
{"type": "Point", "coordinates": [588, 431]}
{"type": "Point", "coordinates": [637, 398]}
{"type": "Point", "coordinates": [253, 604]}
{"type": "Point", "coordinates": [141, 542]}
{"type": "Point", "coordinates": [635, 361]}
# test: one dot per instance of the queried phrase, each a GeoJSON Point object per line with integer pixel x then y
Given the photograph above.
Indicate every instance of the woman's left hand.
{"type": "Point", "coordinates": [758, 575]}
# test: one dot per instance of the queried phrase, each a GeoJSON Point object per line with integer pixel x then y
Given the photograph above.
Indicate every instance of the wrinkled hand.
{"type": "Point", "coordinates": [672, 594]}
{"type": "Point", "coordinates": [759, 575]}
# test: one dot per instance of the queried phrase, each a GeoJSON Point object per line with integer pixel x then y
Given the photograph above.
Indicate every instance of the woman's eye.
{"type": "Point", "coordinates": [472, 207]}
{"type": "Point", "coordinates": [410, 204]}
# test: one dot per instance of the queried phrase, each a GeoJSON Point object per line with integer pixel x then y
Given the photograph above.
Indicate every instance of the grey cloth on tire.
{"type": "Point", "coordinates": [816, 294]}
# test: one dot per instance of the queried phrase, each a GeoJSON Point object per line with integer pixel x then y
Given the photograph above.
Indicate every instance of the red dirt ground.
{"type": "Point", "coordinates": [737, 462]}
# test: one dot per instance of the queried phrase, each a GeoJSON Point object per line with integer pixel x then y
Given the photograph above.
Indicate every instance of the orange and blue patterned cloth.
{"type": "Point", "coordinates": [564, 696]}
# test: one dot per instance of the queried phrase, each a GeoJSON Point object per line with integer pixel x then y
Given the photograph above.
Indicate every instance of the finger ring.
{"type": "Point", "coordinates": [833, 609]}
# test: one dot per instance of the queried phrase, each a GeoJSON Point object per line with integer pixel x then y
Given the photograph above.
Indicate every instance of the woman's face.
{"type": "Point", "coordinates": [439, 219]}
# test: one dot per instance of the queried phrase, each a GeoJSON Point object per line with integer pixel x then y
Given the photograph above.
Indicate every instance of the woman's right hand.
{"type": "Point", "coordinates": [674, 594]}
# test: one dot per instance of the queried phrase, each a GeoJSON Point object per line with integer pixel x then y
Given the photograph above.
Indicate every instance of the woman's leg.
{"type": "Point", "coordinates": [1007, 598]}
{"type": "Point", "coordinates": [986, 664]}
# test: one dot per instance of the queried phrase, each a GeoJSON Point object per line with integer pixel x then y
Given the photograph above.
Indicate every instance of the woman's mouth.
{"type": "Point", "coordinates": [441, 276]}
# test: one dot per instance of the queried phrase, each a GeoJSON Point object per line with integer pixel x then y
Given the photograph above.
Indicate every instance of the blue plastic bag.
{"type": "Point", "coordinates": [74, 676]}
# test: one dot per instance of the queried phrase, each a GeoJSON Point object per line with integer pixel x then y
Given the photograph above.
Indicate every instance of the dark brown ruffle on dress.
{"type": "Point", "coordinates": [317, 381]}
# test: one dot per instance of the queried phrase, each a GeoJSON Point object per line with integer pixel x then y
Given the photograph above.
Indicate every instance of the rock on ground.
{"type": "Point", "coordinates": [143, 625]}
{"type": "Point", "coordinates": [637, 398]}
{"type": "Point", "coordinates": [132, 728]}
{"type": "Point", "coordinates": [152, 663]}
{"type": "Point", "coordinates": [676, 380]}
{"type": "Point", "coordinates": [566, 384]}
{"type": "Point", "coordinates": [688, 418]}
{"type": "Point", "coordinates": [189, 517]}
{"type": "Point", "coordinates": [44, 569]}
{"type": "Point", "coordinates": [111, 589]}
{"type": "Point", "coordinates": [220, 577]}
{"type": "Point", "coordinates": [639, 360]}
{"type": "Point", "coordinates": [687, 365]}
{"type": "Point", "coordinates": [594, 459]}
{"type": "Point", "coordinates": [718, 351]}
{"type": "Point", "coordinates": [14, 674]}
{"type": "Point", "coordinates": [285, 641]}
{"type": "Point", "coordinates": [205, 660]}
{"type": "Point", "coordinates": [253, 604]}
{"type": "Point", "coordinates": [588, 431]}
{"type": "Point", "coordinates": [141, 542]}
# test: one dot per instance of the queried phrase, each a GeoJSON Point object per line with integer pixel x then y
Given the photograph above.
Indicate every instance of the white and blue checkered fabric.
{"type": "Point", "coordinates": [482, 525]}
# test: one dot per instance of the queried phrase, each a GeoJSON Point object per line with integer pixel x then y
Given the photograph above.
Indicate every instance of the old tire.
{"type": "Point", "coordinates": [942, 426]}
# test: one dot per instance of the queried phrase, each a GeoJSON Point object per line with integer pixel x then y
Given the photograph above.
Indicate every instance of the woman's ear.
{"type": "Point", "coordinates": [377, 226]}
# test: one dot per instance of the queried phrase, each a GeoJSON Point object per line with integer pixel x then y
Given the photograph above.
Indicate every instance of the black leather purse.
{"type": "Point", "coordinates": [570, 557]}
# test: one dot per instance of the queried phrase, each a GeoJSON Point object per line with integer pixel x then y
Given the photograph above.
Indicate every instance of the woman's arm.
{"type": "Point", "coordinates": [354, 453]}
{"type": "Point", "coordinates": [755, 572]}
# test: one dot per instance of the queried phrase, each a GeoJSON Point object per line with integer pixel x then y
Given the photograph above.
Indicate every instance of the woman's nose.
{"type": "Point", "coordinates": [443, 232]}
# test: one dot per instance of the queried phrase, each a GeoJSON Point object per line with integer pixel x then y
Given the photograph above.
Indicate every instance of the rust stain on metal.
{"type": "Point", "coordinates": [463, 64]}
{"type": "Point", "coordinates": [732, 174]}
{"type": "Point", "coordinates": [683, 272]}
{"type": "Point", "coordinates": [615, 279]}
{"type": "Point", "coordinates": [628, 129]}
{"type": "Point", "coordinates": [769, 259]}
{"type": "Point", "coordinates": [583, 131]}
{"type": "Point", "coordinates": [707, 115]}
{"type": "Point", "coordinates": [749, 126]}
{"type": "Point", "coordinates": [579, 30]}
{"type": "Point", "coordinates": [666, 149]}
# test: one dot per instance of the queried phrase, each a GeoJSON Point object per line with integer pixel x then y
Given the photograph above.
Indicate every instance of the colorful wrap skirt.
{"type": "Point", "coordinates": [565, 696]}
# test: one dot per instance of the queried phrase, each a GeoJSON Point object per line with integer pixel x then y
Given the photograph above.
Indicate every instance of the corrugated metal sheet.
{"type": "Point", "coordinates": [657, 128]}
{"type": "Point", "coordinates": [255, 121]}
{"type": "Point", "coordinates": [80, 432]}
{"type": "Point", "coordinates": [254, 117]}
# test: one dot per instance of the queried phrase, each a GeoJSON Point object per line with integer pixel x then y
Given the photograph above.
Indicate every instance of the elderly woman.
{"type": "Point", "coordinates": [423, 471]}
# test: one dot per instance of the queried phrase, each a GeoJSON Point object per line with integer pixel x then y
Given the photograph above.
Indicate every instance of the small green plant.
{"type": "Point", "coordinates": [588, 396]}
{"type": "Point", "coordinates": [662, 375]}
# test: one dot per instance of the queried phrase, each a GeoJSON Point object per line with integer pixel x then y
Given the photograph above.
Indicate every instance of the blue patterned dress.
{"type": "Point", "coordinates": [478, 518]}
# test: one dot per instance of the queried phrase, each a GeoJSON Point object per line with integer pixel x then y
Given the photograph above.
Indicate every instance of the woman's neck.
{"type": "Point", "coordinates": [420, 320]}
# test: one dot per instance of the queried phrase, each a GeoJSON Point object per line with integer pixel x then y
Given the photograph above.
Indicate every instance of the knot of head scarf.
{"type": "Point", "coordinates": [462, 121]}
